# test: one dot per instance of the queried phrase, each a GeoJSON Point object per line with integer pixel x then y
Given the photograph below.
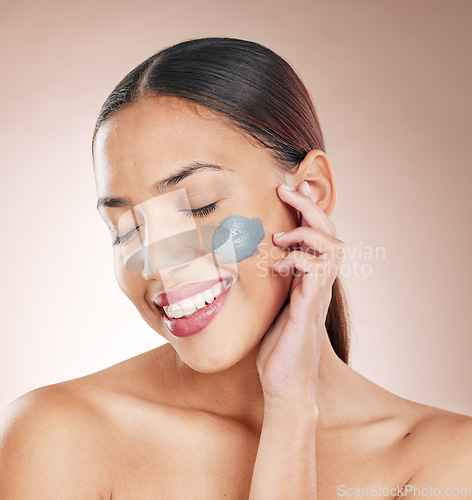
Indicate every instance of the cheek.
{"type": "Point", "coordinates": [261, 293]}
{"type": "Point", "coordinates": [130, 283]}
{"type": "Point", "coordinates": [249, 243]}
{"type": "Point", "coordinates": [273, 288]}
{"type": "Point", "coordinates": [237, 238]}
{"type": "Point", "coordinates": [281, 218]}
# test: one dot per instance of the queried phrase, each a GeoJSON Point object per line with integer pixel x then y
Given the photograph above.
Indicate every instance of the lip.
{"type": "Point", "coordinates": [184, 327]}
{"type": "Point", "coordinates": [184, 292]}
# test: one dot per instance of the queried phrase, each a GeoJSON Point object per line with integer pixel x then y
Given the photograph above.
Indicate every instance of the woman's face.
{"type": "Point", "coordinates": [151, 140]}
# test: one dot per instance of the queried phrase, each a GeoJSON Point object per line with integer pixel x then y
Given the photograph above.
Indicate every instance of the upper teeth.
{"type": "Point", "coordinates": [187, 307]}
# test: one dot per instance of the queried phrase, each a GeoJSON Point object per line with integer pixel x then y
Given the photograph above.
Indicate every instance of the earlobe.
{"type": "Point", "coordinates": [317, 170]}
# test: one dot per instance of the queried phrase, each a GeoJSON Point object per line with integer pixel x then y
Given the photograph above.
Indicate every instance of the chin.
{"type": "Point", "coordinates": [214, 356]}
{"type": "Point", "coordinates": [206, 366]}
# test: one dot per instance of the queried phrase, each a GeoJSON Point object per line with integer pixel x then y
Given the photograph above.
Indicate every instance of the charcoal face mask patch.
{"type": "Point", "coordinates": [237, 238]}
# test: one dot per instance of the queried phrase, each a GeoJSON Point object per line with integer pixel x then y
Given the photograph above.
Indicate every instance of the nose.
{"type": "Point", "coordinates": [167, 253]}
{"type": "Point", "coordinates": [165, 238]}
{"type": "Point", "coordinates": [146, 262]}
{"type": "Point", "coordinates": [155, 261]}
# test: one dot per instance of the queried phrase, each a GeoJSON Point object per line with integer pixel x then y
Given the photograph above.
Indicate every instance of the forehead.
{"type": "Point", "coordinates": [153, 139]}
{"type": "Point", "coordinates": [166, 131]}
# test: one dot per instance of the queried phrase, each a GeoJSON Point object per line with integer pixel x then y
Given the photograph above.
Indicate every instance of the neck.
{"type": "Point", "coordinates": [343, 395]}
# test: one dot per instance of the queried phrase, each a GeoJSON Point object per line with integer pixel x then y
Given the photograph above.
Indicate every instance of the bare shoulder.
{"type": "Point", "coordinates": [442, 442]}
{"type": "Point", "coordinates": [439, 430]}
{"type": "Point", "coordinates": [55, 436]}
{"type": "Point", "coordinates": [50, 439]}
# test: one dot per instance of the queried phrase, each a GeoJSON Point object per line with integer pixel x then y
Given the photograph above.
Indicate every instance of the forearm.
{"type": "Point", "coordinates": [285, 464]}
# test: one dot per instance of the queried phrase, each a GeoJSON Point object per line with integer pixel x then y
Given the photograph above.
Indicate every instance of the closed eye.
{"type": "Point", "coordinates": [121, 239]}
{"type": "Point", "coordinates": [197, 212]}
{"type": "Point", "coordinates": [201, 212]}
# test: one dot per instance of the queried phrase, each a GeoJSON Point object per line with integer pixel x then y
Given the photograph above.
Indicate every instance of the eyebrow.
{"type": "Point", "coordinates": [160, 186]}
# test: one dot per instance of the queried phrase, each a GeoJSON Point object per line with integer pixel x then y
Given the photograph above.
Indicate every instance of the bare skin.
{"type": "Point", "coordinates": [137, 431]}
{"type": "Point", "coordinates": [184, 420]}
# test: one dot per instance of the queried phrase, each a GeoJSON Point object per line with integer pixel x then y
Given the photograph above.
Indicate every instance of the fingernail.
{"type": "Point", "coordinates": [287, 188]}
{"type": "Point", "coordinates": [307, 190]}
{"type": "Point", "coordinates": [276, 235]}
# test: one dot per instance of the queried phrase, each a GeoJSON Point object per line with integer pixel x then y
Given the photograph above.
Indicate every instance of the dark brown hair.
{"type": "Point", "coordinates": [255, 88]}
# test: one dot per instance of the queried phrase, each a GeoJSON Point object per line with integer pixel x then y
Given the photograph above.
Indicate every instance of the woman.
{"type": "Point", "coordinates": [212, 177]}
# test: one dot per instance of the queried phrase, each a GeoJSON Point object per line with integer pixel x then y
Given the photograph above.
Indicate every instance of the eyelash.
{"type": "Point", "coordinates": [197, 212]}
{"type": "Point", "coordinates": [201, 212]}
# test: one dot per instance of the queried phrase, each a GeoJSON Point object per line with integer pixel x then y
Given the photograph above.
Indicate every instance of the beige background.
{"type": "Point", "coordinates": [391, 81]}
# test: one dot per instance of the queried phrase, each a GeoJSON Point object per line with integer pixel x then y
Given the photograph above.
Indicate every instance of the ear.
{"type": "Point", "coordinates": [316, 169]}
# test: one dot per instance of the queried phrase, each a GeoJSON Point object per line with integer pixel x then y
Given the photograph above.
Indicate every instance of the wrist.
{"type": "Point", "coordinates": [291, 406]}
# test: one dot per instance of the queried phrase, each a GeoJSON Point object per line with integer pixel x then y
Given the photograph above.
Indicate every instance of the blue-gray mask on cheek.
{"type": "Point", "coordinates": [237, 238]}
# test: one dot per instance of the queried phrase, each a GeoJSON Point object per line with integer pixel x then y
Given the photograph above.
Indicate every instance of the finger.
{"type": "Point", "coordinates": [316, 241]}
{"type": "Point", "coordinates": [310, 211]}
{"type": "Point", "coordinates": [314, 268]}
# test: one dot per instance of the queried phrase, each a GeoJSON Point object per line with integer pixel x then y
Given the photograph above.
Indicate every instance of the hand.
{"type": "Point", "coordinates": [289, 353]}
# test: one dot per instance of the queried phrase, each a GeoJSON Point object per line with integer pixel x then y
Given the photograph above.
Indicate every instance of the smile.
{"type": "Point", "coordinates": [193, 313]}
{"type": "Point", "coordinates": [189, 306]}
